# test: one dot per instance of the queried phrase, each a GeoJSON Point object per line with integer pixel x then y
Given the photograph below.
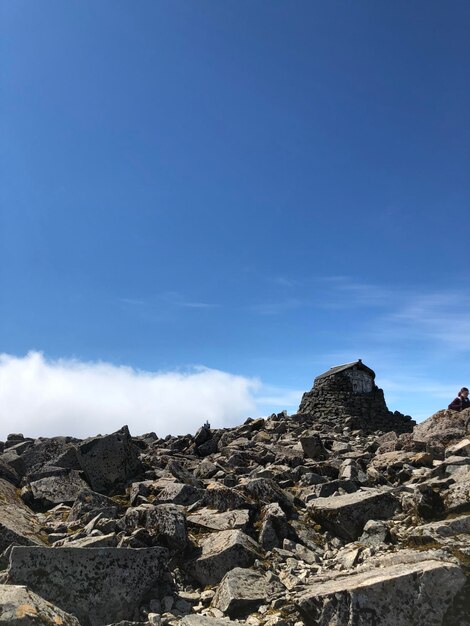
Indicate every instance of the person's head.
{"type": "Point", "coordinates": [463, 393]}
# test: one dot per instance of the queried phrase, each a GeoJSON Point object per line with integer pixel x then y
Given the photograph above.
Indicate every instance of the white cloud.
{"type": "Point", "coordinates": [41, 397]}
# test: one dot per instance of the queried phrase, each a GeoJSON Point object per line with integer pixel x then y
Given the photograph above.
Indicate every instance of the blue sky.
{"type": "Point", "coordinates": [262, 189]}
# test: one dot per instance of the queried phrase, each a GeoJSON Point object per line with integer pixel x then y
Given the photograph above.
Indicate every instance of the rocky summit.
{"type": "Point", "coordinates": [342, 514]}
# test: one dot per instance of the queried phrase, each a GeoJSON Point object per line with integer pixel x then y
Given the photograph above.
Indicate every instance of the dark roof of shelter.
{"type": "Point", "coordinates": [340, 368]}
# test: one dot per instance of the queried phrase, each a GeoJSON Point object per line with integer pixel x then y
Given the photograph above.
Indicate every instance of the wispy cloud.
{"type": "Point", "coordinates": [341, 292]}
{"type": "Point", "coordinates": [275, 308]}
{"type": "Point", "coordinates": [443, 316]}
{"type": "Point", "coordinates": [440, 316]}
{"type": "Point", "coordinates": [169, 300]}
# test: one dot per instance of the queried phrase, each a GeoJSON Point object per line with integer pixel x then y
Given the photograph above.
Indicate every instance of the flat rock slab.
{"type": "Point", "coordinates": [21, 607]}
{"type": "Point", "coordinates": [97, 585]}
{"type": "Point", "coordinates": [228, 520]}
{"type": "Point", "coordinates": [399, 595]}
{"type": "Point", "coordinates": [441, 529]}
{"type": "Point", "coordinates": [346, 516]}
{"type": "Point", "coordinates": [18, 524]}
{"type": "Point", "coordinates": [242, 591]}
{"type": "Point", "coordinates": [201, 620]}
{"type": "Point", "coordinates": [220, 553]}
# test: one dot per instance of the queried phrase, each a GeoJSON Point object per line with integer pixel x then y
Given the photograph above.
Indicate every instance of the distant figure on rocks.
{"type": "Point", "coordinates": [461, 401]}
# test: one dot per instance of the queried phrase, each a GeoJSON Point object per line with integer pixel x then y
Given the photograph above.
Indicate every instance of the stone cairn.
{"type": "Point", "coordinates": [349, 394]}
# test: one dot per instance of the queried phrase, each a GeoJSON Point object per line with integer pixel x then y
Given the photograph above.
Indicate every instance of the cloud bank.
{"type": "Point", "coordinates": [41, 397]}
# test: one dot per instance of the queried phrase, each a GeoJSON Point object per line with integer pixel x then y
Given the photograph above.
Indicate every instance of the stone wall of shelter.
{"type": "Point", "coordinates": [334, 397]}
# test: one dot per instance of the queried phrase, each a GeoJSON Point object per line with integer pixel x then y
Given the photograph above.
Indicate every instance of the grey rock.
{"type": "Point", "coordinates": [274, 528]}
{"type": "Point", "coordinates": [457, 498]}
{"type": "Point", "coordinates": [313, 447]}
{"type": "Point", "coordinates": [43, 453]}
{"type": "Point", "coordinates": [213, 520]}
{"type": "Point", "coordinates": [165, 524]}
{"type": "Point", "coordinates": [266, 491]}
{"type": "Point", "coordinates": [440, 530]}
{"type": "Point", "coordinates": [89, 504]}
{"type": "Point", "coordinates": [8, 473]}
{"type": "Point", "coordinates": [180, 493]}
{"type": "Point", "coordinates": [207, 448]}
{"type": "Point", "coordinates": [12, 459]}
{"type": "Point", "coordinates": [21, 607]}
{"type": "Point", "coordinates": [444, 427]}
{"type": "Point", "coordinates": [110, 460]}
{"type": "Point", "coordinates": [351, 470]}
{"type": "Point", "coordinates": [327, 489]}
{"type": "Point", "coordinates": [98, 585]}
{"type": "Point", "coordinates": [98, 541]}
{"type": "Point", "coordinates": [462, 448]}
{"type": "Point", "coordinates": [182, 475]}
{"type": "Point", "coordinates": [221, 552]}
{"type": "Point", "coordinates": [203, 434]}
{"type": "Point", "coordinates": [202, 620]}
{"type": "Point", "coordinates": [54, 490]}
{"type": "Point", "coordinates": [375, 534]}
{"type": "Point", "coordinates": [346, 516]}
{"type": "Point", "coordinates": [397, 595]}
{"type": "Point", "coordinates": [222, 498]}
{"type": "Point", "coordinates": [206, 469]}
{"type": "Point", "coordinates": [18, 525]}
{"type": "Point", "coordinates": [242, 591]}
{"type": "Point", "coordinates": [141, 488]}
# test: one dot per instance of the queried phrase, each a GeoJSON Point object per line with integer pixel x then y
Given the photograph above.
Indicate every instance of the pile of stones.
{"type": "Point", "coordinates": [289, 520]}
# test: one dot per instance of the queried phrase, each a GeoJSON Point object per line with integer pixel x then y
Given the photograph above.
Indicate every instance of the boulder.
{"type": "Point", "coordinates": [182, 475]}
{"type": "Point", "coordinates": [376, 534]}
{"type": "Point", "coordinates": [221, 552]}
{"type": "Point", "coordinates": [18, 525]}
{"type": "Point", "coordinates": [397, 595]}
{"type": "Point", "coordinates": [97, 585]}
{"type": "Point", "coordinates": [180, 493]}
{"type": "Point", "coordinates": [324, 490]}
{"type": "Point", "coordinates": [274, 527]}
{"type": "Point", "coordinates": [242, 591]}
{"type": "Point", "coordinates": [265, 491]}
{"type": "Point", "coordinates": [8, 473]}
{"type": "Point", "coordinates": [351, 470]}
{"type": "Point", "coordinates": [457, 497]}
{"type": "Point", "coordinates": [313, 447]}
{"type": "Point", "coordinates": [21, 607]}
{"type": "Point", "coordinates": [48, 492]}
{"type": "Point", "coordinates": [45, 452]}
{"type": "Point", "coordinates": [461, 448]}
{"type": "Point", "coordinates": [165, 523]}
{"type": "Point", "coordinates": [89, 504]}
{"type": "Point", "coordinates": [109, 461]}
{"type": "Point", "coordinates": [213, 520]}
{"type": "Point", "coordinates": [444, 427]}
{"type": "Point", "coordinates": [216, 496]}
{"type": "Point", "coordinates": [442, 529]}
{"type": "Point", "coordinates": [346, 516]}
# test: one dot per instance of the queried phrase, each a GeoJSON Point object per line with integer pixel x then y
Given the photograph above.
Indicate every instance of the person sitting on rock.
{"type": "Point", "coordinates": [461, 401]}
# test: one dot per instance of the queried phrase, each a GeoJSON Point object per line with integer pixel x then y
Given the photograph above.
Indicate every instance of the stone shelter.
{"type": "Point", "coordinates": [348, 393]}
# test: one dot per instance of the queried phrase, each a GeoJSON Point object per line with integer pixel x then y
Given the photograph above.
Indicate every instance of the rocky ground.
{"type": "Point", "coordinates": [282, 521]}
